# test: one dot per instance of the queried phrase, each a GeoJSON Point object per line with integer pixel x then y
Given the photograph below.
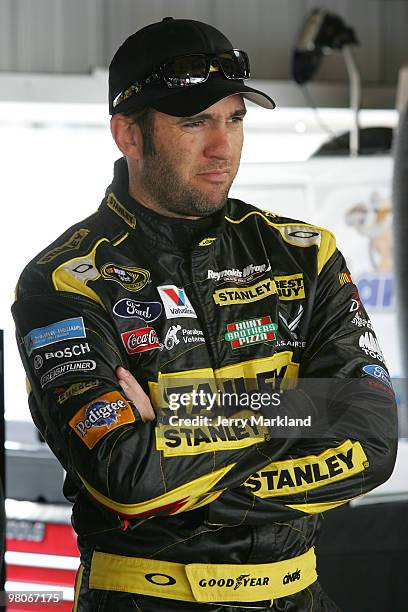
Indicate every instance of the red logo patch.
{"type": "Point", "coordinates": [140, 340]}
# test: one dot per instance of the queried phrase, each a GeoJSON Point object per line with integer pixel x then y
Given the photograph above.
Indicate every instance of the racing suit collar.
{"type": "Point", "coordinates": [177, 233]}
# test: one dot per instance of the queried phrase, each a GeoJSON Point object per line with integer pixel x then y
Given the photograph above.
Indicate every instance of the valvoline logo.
{"type": "Point", "coordinates": [176, 295]}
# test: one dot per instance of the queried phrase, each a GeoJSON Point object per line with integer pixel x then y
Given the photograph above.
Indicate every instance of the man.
{"type": "Point", "coordinates": [170, 290]}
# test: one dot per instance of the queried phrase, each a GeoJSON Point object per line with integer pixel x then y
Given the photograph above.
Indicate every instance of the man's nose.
{"type": "Point", "coordinates": [219, 143]}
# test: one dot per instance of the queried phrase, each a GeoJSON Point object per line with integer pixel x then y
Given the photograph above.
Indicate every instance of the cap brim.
{"type": "Point", "coordinates": [195, 99]}
{"type": "Point", "coordinates": [192, 100]}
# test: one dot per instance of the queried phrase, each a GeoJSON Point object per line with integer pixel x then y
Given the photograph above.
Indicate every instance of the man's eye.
{"type": "Point", "coordinates": [194, 124]}
{"type": "Point", "coordinates": [237, 119]}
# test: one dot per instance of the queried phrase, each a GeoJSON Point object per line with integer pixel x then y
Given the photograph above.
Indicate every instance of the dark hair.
{"type": "Point", "coordinates": [145, 120]}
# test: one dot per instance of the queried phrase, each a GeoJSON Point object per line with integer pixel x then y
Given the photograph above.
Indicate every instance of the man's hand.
{"type": "Point", "coordinates": [135, 393]}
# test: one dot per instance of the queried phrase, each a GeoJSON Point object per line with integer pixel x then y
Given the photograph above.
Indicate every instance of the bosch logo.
{"type": "Point", "coordinates": [160, 579]}
{"type": "Point", "coordinates": [69, 351]}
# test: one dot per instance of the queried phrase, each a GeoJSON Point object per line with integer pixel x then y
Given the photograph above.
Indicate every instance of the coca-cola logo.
{"type": "Point", "coordinates": [140, 340]}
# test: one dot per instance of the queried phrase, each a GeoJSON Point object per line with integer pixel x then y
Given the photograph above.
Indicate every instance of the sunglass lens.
{"type": "Point", "coordinates": [234, 64]}
{"type": "Point", "coordinates": [187, 70]}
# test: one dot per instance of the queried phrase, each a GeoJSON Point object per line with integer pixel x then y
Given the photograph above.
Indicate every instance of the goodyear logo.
{"type": "Point", "coordinates": [308, 473]}
{"type": "Point", "coordinates": [74, 242]}
{"type": "Point", "coordinates": [113, 203]}
{"type": "Point", "coordinates": [100, 416]}
{"type": "Point", "coordinates": [290, 287]}
{"type": "Point", "coordinates": [132, 279]}
{"type": "Point", "coordinates": [244, 295]}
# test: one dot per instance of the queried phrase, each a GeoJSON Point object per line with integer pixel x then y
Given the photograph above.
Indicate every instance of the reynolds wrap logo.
{"type": "Point", "coordinates": [244, 295]}
{"type": "Point", "coordinates": [132, 309]}
{"type": "Point", "coordinates": [100, 416]}
{"type": "Point", "coordinates": [176, 302]}
{"type": "Point", "coordinates": [234, 275]}
{"type": "Point", "coordinates": [140, 340]}
{"type": "Point", "coordinates": [252, 331]}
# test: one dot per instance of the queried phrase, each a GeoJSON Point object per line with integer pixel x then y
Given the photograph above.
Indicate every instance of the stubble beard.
{"type": "Point", "coordinates": [161, 179]}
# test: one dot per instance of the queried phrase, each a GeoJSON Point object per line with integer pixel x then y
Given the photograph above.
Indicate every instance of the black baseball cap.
{"type": "Point", "coordinates": [147, 49]}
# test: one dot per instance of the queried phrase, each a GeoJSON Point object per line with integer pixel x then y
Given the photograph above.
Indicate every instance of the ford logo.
{"type": "Point", "coordinates": [133, 309]}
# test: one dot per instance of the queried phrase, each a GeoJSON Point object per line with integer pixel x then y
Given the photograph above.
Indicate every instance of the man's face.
{"type": "Point", "coordinates": [195, 159]}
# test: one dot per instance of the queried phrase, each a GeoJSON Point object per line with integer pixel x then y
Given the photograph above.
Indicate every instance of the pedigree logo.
{"type": "Point", "coordinates": [100, 416]}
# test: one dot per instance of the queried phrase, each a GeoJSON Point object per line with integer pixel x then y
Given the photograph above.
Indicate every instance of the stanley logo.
{"type": "Point", "coordinates": [290, 287]}
{"type": "Point", "coordinates": [307, 473]}
{"type": "Point", "coordinates": [243, 295]}
{"type": "Point", "coordinates": [113, 203]}
{"type": "Point", "coordinates": [74, 242]}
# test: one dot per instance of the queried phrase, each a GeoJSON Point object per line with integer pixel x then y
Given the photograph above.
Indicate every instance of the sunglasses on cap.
{"type": "Point", "coordinates": [194, 69]}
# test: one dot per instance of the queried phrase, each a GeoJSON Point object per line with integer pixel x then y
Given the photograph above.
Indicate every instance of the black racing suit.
{"type": "Point", "coordinates": [172, 300]}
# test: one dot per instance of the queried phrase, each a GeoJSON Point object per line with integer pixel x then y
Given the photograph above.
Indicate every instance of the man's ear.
{"type": "Point", "coordinates": [127, 135]}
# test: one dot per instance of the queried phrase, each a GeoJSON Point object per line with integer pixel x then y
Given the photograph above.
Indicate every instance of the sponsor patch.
{"type": "Point", "coordinates": [140, 340]}
{"type": "Point", "coordinates": [369, 345]}
{"type": "Point", "coordinates": [304, 474]}
{"type": "Point", "coordinates": [64, 352]}
{"type": "Point", "coordinates": [206, 242]}
{"type": "Point", "coordinates": [76, 389]}
{"type": "Point", "coordinates": [132, 279]}
{"type": "Point", "coordinates": [74, 242]}
{"type": "Point", "coordinates": [84, 365]}
{"type": "Point", "coordinates": [290, 287]}
{"type": "Point", "coordinates": [132, 309]}
{"type": "Point", "coordinates": [234, 275]}
{"type": "Point", "coordinates": [345, 278]}
{"type": "Point", "coordinates": [100, 416]}
{"type": "Point", "coordinates": [251, 331]}
{"type": "Point", "coordinates": [113, 203]}
{"type": "Point", "coordinates": [359, 321]}
{"type": "Point", "coordinates": [244, 295]}
{"type": "Point", "coordinates": [175, 335]}
{"type": "Point", "coordinates": [176, 302]}
{"type": "Point", "coordinates": [379, 373]}
{"type": "Point", "coordinates": [300, 235]}
{"type": "Point", "coordinates": [68, 329]}
{"type": "Point", "coordinates": [292, 323]}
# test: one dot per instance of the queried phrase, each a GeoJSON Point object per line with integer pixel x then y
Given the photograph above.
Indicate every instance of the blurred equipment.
{"type": "Point", "coordinates": [321, 34]}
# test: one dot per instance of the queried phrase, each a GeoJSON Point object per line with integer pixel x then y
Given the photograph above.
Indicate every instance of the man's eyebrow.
{"type": "Point", "coordinates": [239, 112]}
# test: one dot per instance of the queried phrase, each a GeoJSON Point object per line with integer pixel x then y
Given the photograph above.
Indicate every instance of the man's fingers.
{"type": "Point", "coordinates": [135, 393]}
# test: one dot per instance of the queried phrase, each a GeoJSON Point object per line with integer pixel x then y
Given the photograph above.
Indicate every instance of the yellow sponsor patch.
{"type": "Point", "coordinates": [193, 429]}
{"type": "Point", "coordinates": [77, 389]}
{"type": "Point", "coordinates": [74, 242]}
{"type": "Point", "coordinates": [345, 278]}
{"type": "Point", "coordinates": [113, 203]}
{"type": "Point", "coordinates": [290, 287]}
{"type": "Point", "coordinates": [100, 416]}
{"type": "Point", "coordinates": [206, 242]}
{"type": "Point", "coordinates": [307, 473]}
{"type": "Point", "coordinates": [244, 295]}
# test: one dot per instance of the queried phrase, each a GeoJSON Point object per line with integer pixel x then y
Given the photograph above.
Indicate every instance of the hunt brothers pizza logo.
{"type": "Point", "coordinates": [140, 340]}
{"type": "Point", "coordinates": [252, 331]}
